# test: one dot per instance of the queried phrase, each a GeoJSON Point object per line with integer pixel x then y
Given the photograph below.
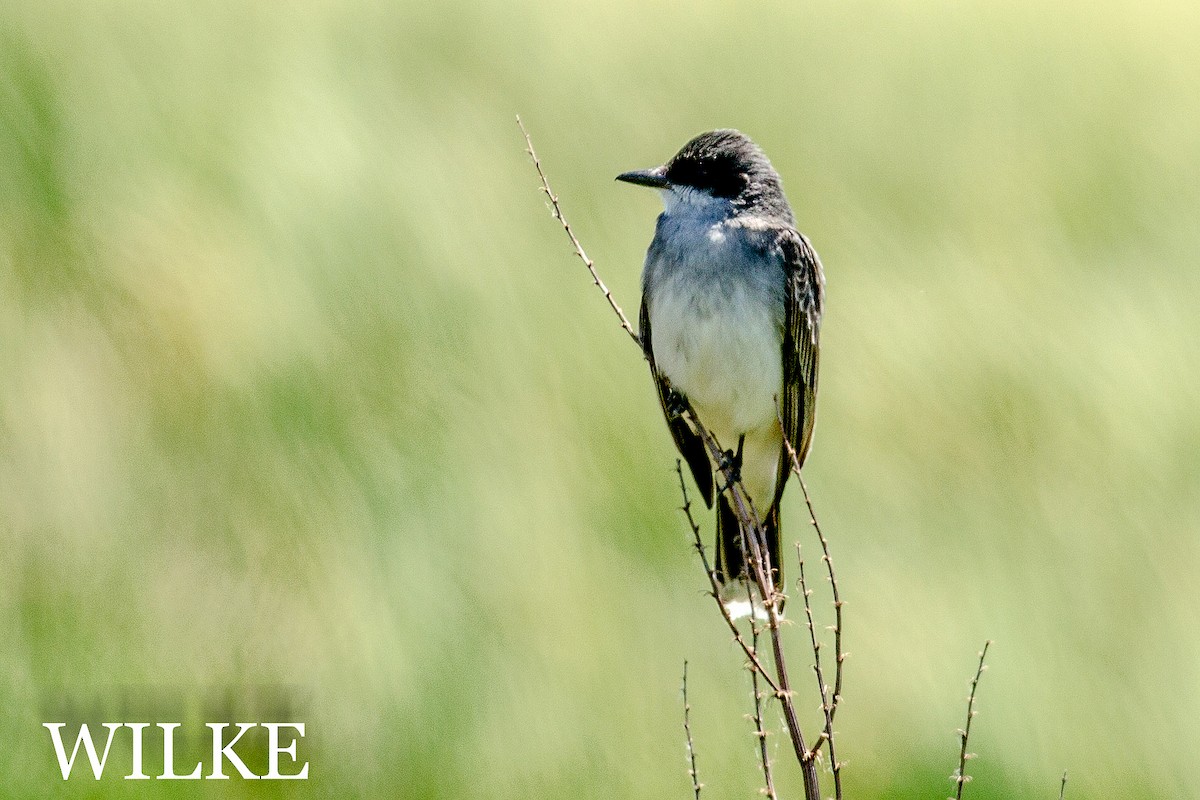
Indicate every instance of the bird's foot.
{"type": "Point", "coordinates": [677, 406]}
{"type": "Point", "coordinates": [730, 464]}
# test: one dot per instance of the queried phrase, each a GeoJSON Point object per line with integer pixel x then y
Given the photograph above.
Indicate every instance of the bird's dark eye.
{"type": "Point", "coordinates": [728, 184]}
{"type": "Point", "coordinates": [720, 178]}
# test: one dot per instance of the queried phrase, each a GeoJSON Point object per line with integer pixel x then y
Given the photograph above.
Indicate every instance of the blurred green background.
{"type": "Point", "coordinates": [305, 396]}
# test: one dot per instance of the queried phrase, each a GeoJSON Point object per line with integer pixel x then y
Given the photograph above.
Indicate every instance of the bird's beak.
{"type": "Point", "coordinates": [655, 178]}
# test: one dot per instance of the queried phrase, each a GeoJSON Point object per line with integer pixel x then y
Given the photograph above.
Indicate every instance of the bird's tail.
{"type": "Point", "coordinates": [739, 592]}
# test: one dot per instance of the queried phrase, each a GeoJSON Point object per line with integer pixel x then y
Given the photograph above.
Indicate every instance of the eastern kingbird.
{"type": "Point", "coordinates": [732, 296]}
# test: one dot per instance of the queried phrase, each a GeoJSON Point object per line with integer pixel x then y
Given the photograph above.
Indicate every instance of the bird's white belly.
{"type": "Point", "coordinates": [723, 352]}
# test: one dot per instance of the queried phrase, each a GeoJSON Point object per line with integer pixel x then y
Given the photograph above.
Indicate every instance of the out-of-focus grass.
{"type": "Point", "coordinates": [303, 388]}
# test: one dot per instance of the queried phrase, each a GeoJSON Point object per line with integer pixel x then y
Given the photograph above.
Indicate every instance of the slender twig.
{"type": "Point", "coordinates": [829, 700]}
{"type": "Point", "coordinates": [757, 562]}
{"type": "Point", "coordinates": [1062, 787]}
{"type": "Point", "coordinates": [757, 670]}
{"type": "Point", "coordinates": [760, 729]}
{"type": "Point", "coordinates": [827, 707]}
{"type": "Point", "coordinates": [960, 777]}
{"type": "Point", "coordinates": [836, 697]}
{"type": "Point", "coordinates": [587, 262]}
{"type": "Point", "coordinates": [750, 651]}
{"type": "Point", "coordinates": [687, 730]}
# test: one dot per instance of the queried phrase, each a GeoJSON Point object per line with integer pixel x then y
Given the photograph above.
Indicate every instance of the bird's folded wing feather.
{"type": "Point", "coordinates": [803, 303]}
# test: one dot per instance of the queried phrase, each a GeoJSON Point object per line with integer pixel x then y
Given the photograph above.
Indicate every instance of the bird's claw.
{"type": "Point", "coordinates": [730, 466]}
{"type": "Point", "coordinates": [676, 405]}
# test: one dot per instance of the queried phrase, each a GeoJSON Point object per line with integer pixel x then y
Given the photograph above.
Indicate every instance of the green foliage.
{"type": "Point", "coordinates": [303, 388]}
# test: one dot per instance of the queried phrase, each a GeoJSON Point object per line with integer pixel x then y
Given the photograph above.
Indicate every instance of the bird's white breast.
{"type": "Point", "coordinates": [717, 339]}
{"type": "Point", "coordinates": [715, 298]}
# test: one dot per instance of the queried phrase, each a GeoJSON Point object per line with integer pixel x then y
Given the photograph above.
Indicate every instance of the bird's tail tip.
{"type": "Point", "coordinates": [742, 599]}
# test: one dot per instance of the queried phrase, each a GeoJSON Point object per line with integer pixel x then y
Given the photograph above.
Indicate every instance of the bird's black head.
{"type": "Point", "coordinates": [723, 163]}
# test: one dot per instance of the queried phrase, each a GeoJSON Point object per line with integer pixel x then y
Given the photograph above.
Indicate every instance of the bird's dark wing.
{"type": "Point", "coordinates": [674, 406]}
{"type": "Point", "coordinates": [804, 301]}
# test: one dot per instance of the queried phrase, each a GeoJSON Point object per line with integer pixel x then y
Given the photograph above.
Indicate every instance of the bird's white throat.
{"type": "Point", "coordinates": [684, 199]}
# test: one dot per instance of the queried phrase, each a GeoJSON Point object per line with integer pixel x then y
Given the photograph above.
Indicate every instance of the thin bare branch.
{"type": "Point", "coordinates": [827, 707]}
{"type": "Point", "coordinates": [687, 730]}
{"type": "Point", "coordinates": [830, 700]}
{"type": "Point", "coordinates": [1062, 787]}
{"type": "Point", "coordinates": [836, 697]}
{"type": "Point", "coordinates": [757, 561]}
{"type": "Point", "coordinates": [960, 777]}
{"type": "Point", "coordinates": [750, 651]}
{"type": "Point", "coordinates": [760, 729]}
{"type": "Point", "coordinates": [757, 670]}
{"type": "Point", "coordinates": [587, 262]}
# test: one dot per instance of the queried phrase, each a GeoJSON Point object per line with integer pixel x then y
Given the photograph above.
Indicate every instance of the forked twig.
{"type": "Point", "coordinates": [830, 700]}
{"type": "Point", "coordinates": [757, 562]}
{"type": "Point", "coordinates": [836, 695]}
{"type": "Point", "coordinates": [715, 588]}
{"type": "Point", "coordinates": [960, 777]}
{"type": "Point", "coordinates": [687, 730]}
{"type": "Point", "coordinates": [757, 670]}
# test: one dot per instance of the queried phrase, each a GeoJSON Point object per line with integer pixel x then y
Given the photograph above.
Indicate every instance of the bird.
{"type": "Point", "coordinates": [732, 301]}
